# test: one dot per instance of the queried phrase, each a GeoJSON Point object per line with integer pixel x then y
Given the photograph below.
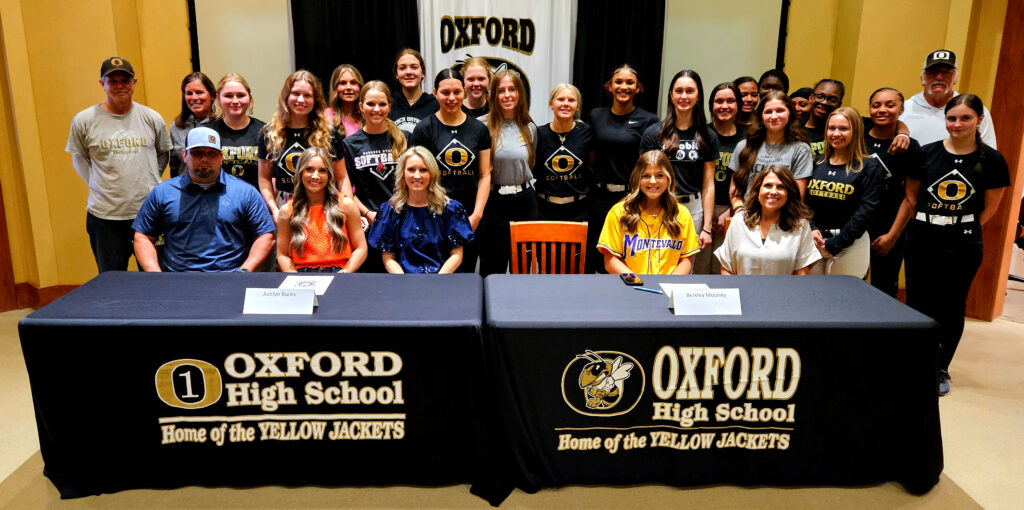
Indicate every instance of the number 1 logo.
{"type": "Point", "coordinates": [188, 383]}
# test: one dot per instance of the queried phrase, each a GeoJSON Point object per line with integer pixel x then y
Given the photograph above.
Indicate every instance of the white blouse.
{"type": "Point", "coordinates": [742, 251]}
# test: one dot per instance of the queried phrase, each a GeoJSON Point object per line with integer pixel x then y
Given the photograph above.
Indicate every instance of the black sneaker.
{"type": "Point", "coordinates": [943, 379]}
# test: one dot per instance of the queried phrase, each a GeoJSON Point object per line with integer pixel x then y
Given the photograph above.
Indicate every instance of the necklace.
{"type": "Point", "coordinates": [561, 136]}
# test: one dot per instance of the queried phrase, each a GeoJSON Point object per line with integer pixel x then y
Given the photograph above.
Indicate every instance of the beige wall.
{"type": "Point", "coordinates": [721, 40]}
{"type": "Point", "coordinates": [880, 43]}
{"type": "Point", "coordinates": [263, 56]}
{"type": "Point", "coordinates": [52, 53]}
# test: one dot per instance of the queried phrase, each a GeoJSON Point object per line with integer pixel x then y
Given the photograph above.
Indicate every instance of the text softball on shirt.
{"type": "Point", "coordinates": [283, 396]}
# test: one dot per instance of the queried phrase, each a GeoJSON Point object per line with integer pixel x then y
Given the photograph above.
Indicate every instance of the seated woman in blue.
{"type": "Point", "coordinates": [420, 230]}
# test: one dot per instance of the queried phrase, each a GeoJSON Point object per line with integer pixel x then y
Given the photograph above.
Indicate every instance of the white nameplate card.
{"type": "Point", "coordinates": [279, 301]}
{"type": "Point", "coordinates": [706, 302]}
{"type": "Point", "coordinates": [669, 288]}
{"type": "Point", "coordinates": [318, 282]}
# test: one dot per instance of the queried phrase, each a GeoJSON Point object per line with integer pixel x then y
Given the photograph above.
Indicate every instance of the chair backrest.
{"type": "Point", "coordinates": [548, 247]}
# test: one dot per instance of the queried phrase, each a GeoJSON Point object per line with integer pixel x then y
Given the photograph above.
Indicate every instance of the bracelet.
{"type": "Point", "coordinates": [706, 231]}
{"type": "Point", "coordinates": [737, 205]}
{"type": "Point", "coordinates": [903, 134]}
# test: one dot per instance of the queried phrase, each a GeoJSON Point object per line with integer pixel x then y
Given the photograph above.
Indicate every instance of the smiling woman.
{"type": "Point", "coordinates": [461, 145]}
{"type": "Point", "coordinates": [239, 133]}
{"type": "Point", "coordinates": [648, 232]}
{"type": "Point", "coordinates": [514, 143]}
{"type": "Point", "coordinates": [772, 236]}
{"type": "Point", "coordinates": [197, 109]}
{"type": "Point", "coordinates": [420, 230]}
{"type": "Point", "coordinates": [693, 150]}
{"type": "Point", "coordinates": [299, 122]}
{"type": "Point", "coordinates": [318, 230]}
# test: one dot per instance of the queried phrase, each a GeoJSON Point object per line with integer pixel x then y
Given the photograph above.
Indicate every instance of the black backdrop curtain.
{"type": "Point", "coordinates": [609, 34]}
{"type": "Point", "coordinates": [365, 33]}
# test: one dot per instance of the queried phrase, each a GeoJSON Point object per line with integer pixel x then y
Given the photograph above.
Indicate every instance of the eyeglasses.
{"type": "Point", "coordinates": [832, 100]}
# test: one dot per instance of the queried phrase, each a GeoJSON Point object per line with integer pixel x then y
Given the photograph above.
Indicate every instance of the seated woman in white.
{"type": "Point", "coordinates": [770, 235]}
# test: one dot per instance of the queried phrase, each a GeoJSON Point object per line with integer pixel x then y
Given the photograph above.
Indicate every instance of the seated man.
{"type": "Point", "coordinates": [211, 221]}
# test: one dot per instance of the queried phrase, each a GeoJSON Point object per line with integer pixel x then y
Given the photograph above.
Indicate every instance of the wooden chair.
{"type": "Point", "coordinates": [556, 247]}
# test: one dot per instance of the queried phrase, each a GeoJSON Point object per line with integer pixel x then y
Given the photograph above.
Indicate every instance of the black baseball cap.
{"type": "Point", "coordinates": [114, 64]}
{"type": "Point", "coordinates": [940, 58]}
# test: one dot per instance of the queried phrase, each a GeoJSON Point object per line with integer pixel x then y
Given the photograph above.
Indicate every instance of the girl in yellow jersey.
{"type": "Point", "coordinates": [647, 232]}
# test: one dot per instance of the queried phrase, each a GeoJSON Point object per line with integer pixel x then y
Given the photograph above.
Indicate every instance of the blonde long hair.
{"type": "Point", "coordinates": [318, 130]}
{"type": "Point", "coordinates": [521, 116]}
{"type": "Point", "coordinates": [436, 198]}
{"type": "Point", "coordinates": [395, 135]}
{"type": "Point", "coordinates": [334, 102]}
{"type": "Point", "coordinates": [858, 152]}
{"type": "Point", "coordinates": [634, 201]}
{"type": "Point", "coordinates": [332, 210]}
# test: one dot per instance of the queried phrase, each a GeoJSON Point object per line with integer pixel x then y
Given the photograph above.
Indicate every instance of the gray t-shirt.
{"type": "Point", "coordinates": [511, 163]}
{"type": "Point", "coordinates": [124, 154]}
{"type": "Point", "coordinates": [178, 135]}
{"type": "Point", "coordinates": [796, 155]}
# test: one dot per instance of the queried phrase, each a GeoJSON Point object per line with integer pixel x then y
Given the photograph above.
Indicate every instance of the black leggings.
{"type": "Point", "coordinates": [941, 264]}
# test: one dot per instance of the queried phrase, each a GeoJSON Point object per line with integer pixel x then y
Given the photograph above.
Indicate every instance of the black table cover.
{"type": "Point", "coordinates": [821, 381]}
{"type": "Point", "coordinates": [134, 377]}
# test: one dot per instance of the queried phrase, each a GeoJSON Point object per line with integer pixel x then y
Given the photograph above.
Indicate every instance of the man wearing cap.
{"type": "Point", "coordinates": [119, 148]}
{"type": "Point", "coordinates": [924, 113]}
{"type": "Point", "coordinates": [210, 220]}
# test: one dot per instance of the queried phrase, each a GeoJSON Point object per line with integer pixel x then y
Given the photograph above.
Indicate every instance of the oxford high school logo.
{"type": "Point", "coordinates": [602, 383]}
{"type": "Point", "coordinates": [952, 188]}
{"type": "Point", "coordinates": [289, 162]}
{"type": "Point", "coordinates": [455, 157]}
{"type": "Point", "coordinates": [563, 162]}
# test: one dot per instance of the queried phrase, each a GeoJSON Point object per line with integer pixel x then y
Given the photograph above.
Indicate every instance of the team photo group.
{"type": "Point", "coordinates": [402, 176]}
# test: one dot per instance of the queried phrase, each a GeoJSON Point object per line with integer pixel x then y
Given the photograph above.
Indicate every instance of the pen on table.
{"type": "Point", "coordinates": [645, 289]}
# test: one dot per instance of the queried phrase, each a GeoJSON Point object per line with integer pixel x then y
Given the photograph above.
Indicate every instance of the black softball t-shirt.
{"type": "Point", "coordinates": [371, 167]}
{"type": "Point", "coordinates": [287, 162]}
{"type": "Point", "coordinates": [844, 200]}
{"type": "Point", "coordinates": [457, 150]}
{"type": "Point", "coordinates": [726, 151]}
{"type": "Point", "coordinates": [687, 160]}
{"type": "Point", "coordinates": [561, 161]}
{"type": "Point", "coordinates": [241, 150]}
{"type": "Point", "coordinates": [955, 184]}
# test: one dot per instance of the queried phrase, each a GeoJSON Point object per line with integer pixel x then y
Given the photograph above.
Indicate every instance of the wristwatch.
{"type": "Point", "coordinates": [241, 270]}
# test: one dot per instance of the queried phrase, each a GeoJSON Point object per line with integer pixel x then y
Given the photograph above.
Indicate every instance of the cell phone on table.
{"type": "Point", "coordinates": [631, 279]}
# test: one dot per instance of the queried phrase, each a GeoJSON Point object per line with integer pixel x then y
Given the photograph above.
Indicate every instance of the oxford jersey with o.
{"type": "Point", "coordinates": [241, 149]}
{"type": "Point", "coordinates": [457, 150]}
{"type": "Point", "coordinates": [955, 184]}
{"type": "Point", "coordinates": [296, 140]}
{"type": "Point", "coordinates": [560, 163]}
{"type": "Point", "coordinates": [687, 159]}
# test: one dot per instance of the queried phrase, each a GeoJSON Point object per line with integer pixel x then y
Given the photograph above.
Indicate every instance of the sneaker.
{"type": "Point", "coordinates": [943, 383]}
